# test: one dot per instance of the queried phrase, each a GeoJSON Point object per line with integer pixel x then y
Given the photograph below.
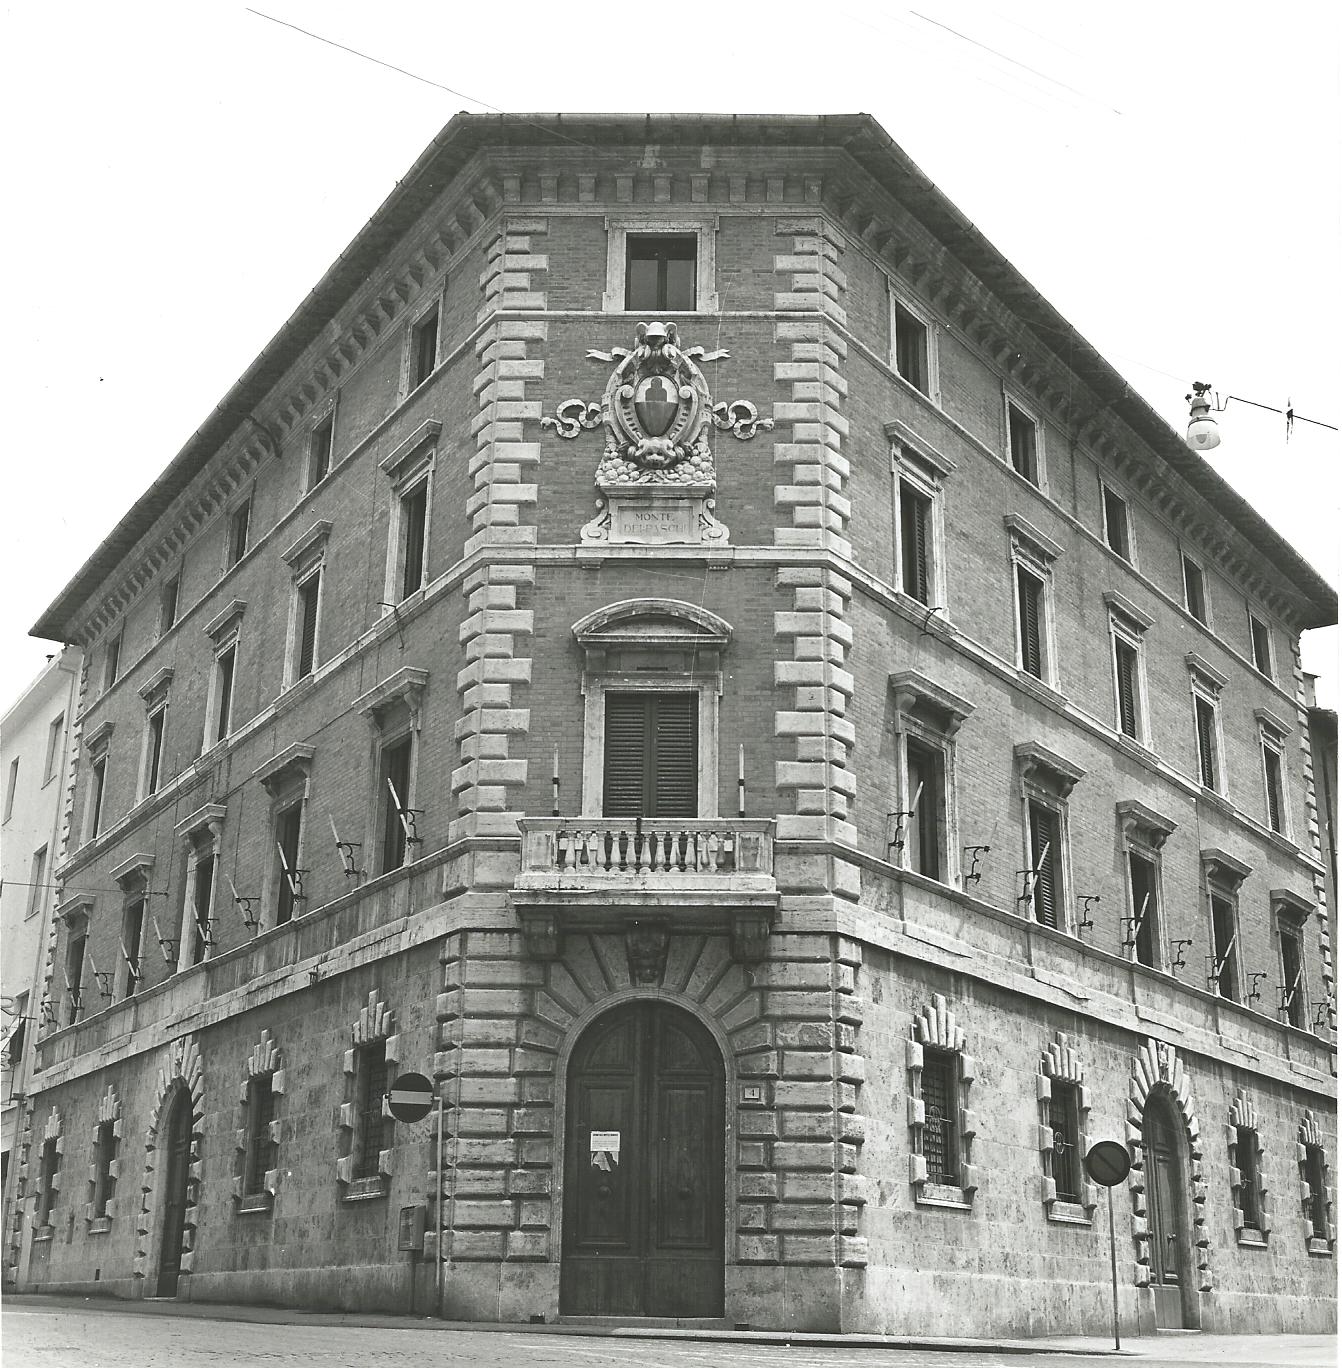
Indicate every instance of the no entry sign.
{"type": "Point", "coordinates": [411, 1097]}
{"type": "Point", "coordinates": [1108, 1162]}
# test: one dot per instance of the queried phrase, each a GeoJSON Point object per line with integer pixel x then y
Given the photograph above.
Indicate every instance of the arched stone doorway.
{"type": "Point", "coordinates": [643, 1167]}
{"type": "Point", "coordinates": [177, 1176]}
{"type": "Point", "coordinates": [1173, 1263]}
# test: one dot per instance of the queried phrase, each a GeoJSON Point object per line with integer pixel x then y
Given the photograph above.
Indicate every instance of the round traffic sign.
{"type": "Point", "coordinates": [1108, 1163]}
{"type": "Point", "coordinates": [411, 1097]}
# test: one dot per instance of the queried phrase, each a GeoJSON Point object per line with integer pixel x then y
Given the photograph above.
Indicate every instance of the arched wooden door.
{"type": "Point", "coordinates": [1170, 1255]}
{"type": "Point", "coordinates": [643, 1169]}
{"type": "Point", "coordinates": [178, 1147]}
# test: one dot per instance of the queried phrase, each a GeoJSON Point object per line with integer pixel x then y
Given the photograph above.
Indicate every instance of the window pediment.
{"type": "Point", "coordinates": [915, 691]}
{"type": "Point", "coordinates": [1041, 766]}
{"type": "Point", "coordinates": [76, 909]}
{"type": "Point", "coordinates": [406, 686]}
{"type": "Point", "coordinates": [228, 619]}
{"type": "Point", "coordinates": [1293, 906]}
{"type": "Point", "coordinates": [651, 622]}
{"type": "Point", "coordinates": [99, 738]}
{"type": "Point", "coordinates": [1027, 540]}
{"type": "Point", "coordinates": [1143, 824]}
{"type": "Point", "coordinates": [919, 450]}
{"type": "Point", "coordinates": [155, 689]}
{"type": "Point", "coordinates": [1268, 721]}
{"type": "Point", "coordinates": [309, 547]}
{"type": "Point", "coordinates": [1205, 673]}
{"type": "Point", "coordinates": [406, 459]}
{"type": "Point", "coordinates": [134, 870]}
{"type": "Point", "coordinates": [1127, 613]}
{"type": "Point", "coordinates": [204, 821]}
{"type": "Point", "coordinates": [291, 766]}
{"type": "Point", "coordinates": [1224, 869]}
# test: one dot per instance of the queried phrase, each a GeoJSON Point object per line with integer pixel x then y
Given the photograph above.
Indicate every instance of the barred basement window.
{"type": "Point", "coordinates": [261, 1148]}
{"type": "Point", "coordinates": [941, 1116]}
{"type": "Point", "coordinates": [1246, 1161]}
{"type": "Point", "coordinates": [651, 756]}
{"type": "Point", "coordinates": [47, 1182]}
{"type": "Point", "coordinates": [1064, 1122]}
{"type": "Point", "coordinates": [104, 1184]}
{"type": "Point", "coordinates": [372, 1130]}
{"type": "Point", "coordinates": [1316, 1189]}
{"type": "Point", "coordinates": [660, 272]}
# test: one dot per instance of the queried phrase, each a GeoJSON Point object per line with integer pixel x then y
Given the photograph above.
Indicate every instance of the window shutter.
{"type": "Point", "coordinates": [625, 755]}
{"type": "Point", "coordinates": [651, 759]}
{"type": "Point", "coordinates": [1043, 831]}
{"type": "Point", "coordinates": [676, 784]}
{"type": "Point", "coordinates": [1272, 766]}
{"type": "Point", "coordinates": [1029, 590]}
{"type": "Point", "coordinates": [1206, 744]}
{"type": "Point", "coordinates": [913, 508]}
{"type": "Point", "coordinates": [307, 646]}
{"type": "Point", "coordinates": [1125, 660]}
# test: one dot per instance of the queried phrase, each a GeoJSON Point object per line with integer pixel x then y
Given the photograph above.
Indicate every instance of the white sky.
{"type": "Point", "coordinates": [180, 175]}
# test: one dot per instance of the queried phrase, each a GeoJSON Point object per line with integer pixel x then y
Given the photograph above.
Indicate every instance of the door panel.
{"type": "Point", "coordinates": [174, 1194]}
{"type": "Point", "coordinates": [643, 1228]}
{"type": "Point", "coordinates": [1165, 1209]}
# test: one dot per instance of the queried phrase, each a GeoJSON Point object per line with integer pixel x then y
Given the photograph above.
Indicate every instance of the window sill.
{"type": "Point", "coordinates": [1068, 1213]}
{"type": "Point", "coordinates": [256, 1203]}
{"type": "Point", "coordinates": [1215, 801]}
{"type": "Point", "coordinates": [365, 1189]}
{"type": "Point", "coordinates": [942, 1195]}
{"type": "Point", "coordinates": [99, 1225]}
{"type": "Point", "coordinates": [1319, 1249]}
{"type": "Point", "coordinates": [44, 1233]}
{"type": "Point", "coordinates": [1041, 688]}
{"type": "Point", "coordinates": [1250, 1237]}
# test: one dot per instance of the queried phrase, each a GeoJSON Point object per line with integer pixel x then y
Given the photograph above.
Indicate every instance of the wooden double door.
{"type": "Point", "coordinates": [1170, 1248]}
{"type": "Point", "coordinates": [643, 1170]}
{"type": "Point", "coordinates": [176, 1180]}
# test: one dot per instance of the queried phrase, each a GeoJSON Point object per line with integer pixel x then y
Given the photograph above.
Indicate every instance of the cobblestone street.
{"type": "Point", "coordinates": [38, 1334]}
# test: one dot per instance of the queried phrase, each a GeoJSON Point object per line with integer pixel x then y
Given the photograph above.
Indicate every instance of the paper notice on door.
{"type": "Point", "coordinates": [605, 1150]}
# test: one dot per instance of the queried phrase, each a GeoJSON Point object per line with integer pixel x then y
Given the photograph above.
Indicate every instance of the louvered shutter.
{"type": "Point", "coordinates": [625, 760]}
{"type": "Point", "coordinates": [1043, 831]}
{"type": "Point", "coordinates": [307, 607]}
{"type": "Point", "coordinates": [913, 509]}
{"type": "Point", "coordinates": [1029, 591]}
{"type": "Point", "coordinates": [1206, 744]}
{"type": "Point", "coordinates": [1125, 659]}
{"type": "Point", "coordinates": [676, 771]}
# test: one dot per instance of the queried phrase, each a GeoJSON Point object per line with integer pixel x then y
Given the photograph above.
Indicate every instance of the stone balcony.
{"type": "Point", "coordinates": [647, 876]}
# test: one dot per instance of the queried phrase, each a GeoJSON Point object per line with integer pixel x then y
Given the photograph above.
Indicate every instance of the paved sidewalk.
{"type": "Point", "coordinates": [1174, 1347]}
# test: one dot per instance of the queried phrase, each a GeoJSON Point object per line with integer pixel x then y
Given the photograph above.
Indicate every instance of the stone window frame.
{"type": "Point", "coordinates": [245, 501]}
{"type": "Point", "coordinates": [156, 694]}
{"type": "Point", "coordinates": [1109, 488]}
{"type": "Point", "coordinates": [97, 747]}
{"type": "Point", "coordinates": [1195, 559]}
{"type": "Point", "coordinates": [934, 1026]}
{"type": "Point", "coordinates": [201, 834]}
{"type": "Point", "coordinates": [323, 413]}
{"type": "Point", "coordinates": [1128, 625]}
{"type": "Point", "coordinates": [132, 876]}
{"type": "Point", "coordinates": [662, 223]}
{"type": "Point", "coordinates": [1060, 1062]}
{"type": "Point", "coordinates": [1272, 734]}
{"type": "Point", "coordinates": [50, 1161]}
{"type": "Point", "coordinates": [1268, 668]}
{"type": "Point", "coordinates": [1031, 550]}
{"type": "Point", "coordinates": [1242, 1122]}
{"type": "Point", "coordinates": [432, 304]}
{"type": "Point", "coordinates": [1013, 399]}
{"type": "Point", "coordinates": [898, 296]}
{"type": "Point", "coordinates": [1047, 779]}
{"type": "Point", "coordinates": [410, 466]}
{"type": "Point", "coordinates": [306, 559]}
{"type": "Point", "coordinates": [1143, 832]}
{"type": "Point", "coordinates": [686, 643]}
{"type": "Point", "coordinates": [265, 1060]}
{"type": "Point", "coordinates": [76, 915]}
{"type": "Point", "coordinates": [1222, 876]}
{"type": "Point", "coordinates": [1205, 684]}
{"type": "Point", "coordinates": [224, 631]}
{"type": "Point", "coordinates": [114, 643]}
{"type": "Point", "coordinates": [394, 711]}
{"type": "Point", "coordinates": [1291, 912]}
{"type": "Point", "coordinates": [376, 1022]}
{"type": "Point", "coordinates": [1310, 1136]}
{"type": "Point", "coordinates": [932, 716]}
{"type": "Point", "coordinates": [915, 461]}
{"type": "Point", "coordinates": [287, 780]}
{"type": "Point", "coordinates": [102, 1175]}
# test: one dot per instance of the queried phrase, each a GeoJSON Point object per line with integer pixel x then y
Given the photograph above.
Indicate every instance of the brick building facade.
{"type": "Point", "coordinates": [675, 641]}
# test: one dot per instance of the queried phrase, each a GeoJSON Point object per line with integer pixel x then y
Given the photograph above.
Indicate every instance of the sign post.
{"type": "Point", "coordinates": [410, 1098]}
{"type": "Point", "coordinates": [1108, 1164]}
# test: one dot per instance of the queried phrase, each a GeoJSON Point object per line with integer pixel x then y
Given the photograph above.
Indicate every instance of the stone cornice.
{"type": "Point", "coordinates": [137, 868]}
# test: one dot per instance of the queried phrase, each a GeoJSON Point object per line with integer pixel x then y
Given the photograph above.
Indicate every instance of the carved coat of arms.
{"type": "Point", "coordinates": [657, 413]}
